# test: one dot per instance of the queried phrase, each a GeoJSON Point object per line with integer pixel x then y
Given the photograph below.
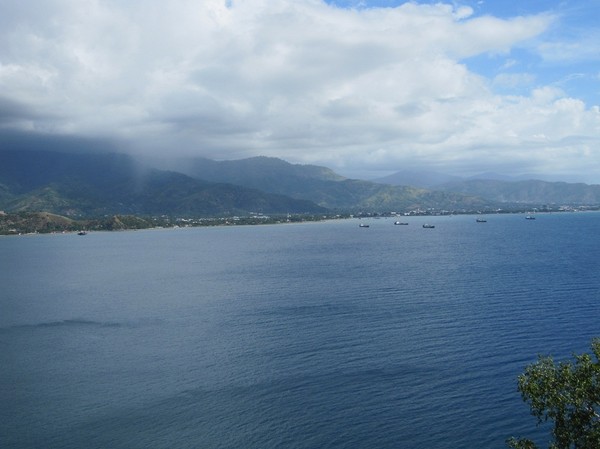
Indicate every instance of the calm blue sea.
{"type": "Point", "coordinates": [317, 335]}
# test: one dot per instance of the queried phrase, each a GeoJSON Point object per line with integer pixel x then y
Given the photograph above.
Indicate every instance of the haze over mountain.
{"type": "Point", "coordinates": [324, 187]}
{"type": "Point", "coordinates": [106, 183]}
{"type": "Point", "coordinates": [97, 184]}
{"type": "Point", "coordinates": [501, 188]}
{"type": "Point", "coordinates": [418, 178]}
{"type": "Point", "coordinates": [527, 192]}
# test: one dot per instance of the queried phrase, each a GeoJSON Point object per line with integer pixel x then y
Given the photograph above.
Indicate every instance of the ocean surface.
{"type": "Point", "coordinates": [316, 335]}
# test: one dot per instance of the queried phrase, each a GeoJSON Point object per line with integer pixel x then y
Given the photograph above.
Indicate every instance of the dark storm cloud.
{"type": "Point", "coordinates": [29, 141]}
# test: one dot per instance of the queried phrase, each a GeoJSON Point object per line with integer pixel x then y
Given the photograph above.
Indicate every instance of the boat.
{"type": "Point", "coordinates": [400, 223]}
{"type": "Point", "coordinates": [362, 225]}
{"type": "Point", "coordinates": [82, 233]}
{"type": "Point", "coordinates": [481, 220]}
{"type": "Point", "coordinates": [428, 226]}
{"type": "Point", "coordinates": [529, 217]}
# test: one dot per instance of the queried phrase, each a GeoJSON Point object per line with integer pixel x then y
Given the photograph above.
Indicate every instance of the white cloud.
{"type": "Point", "coordinates": [584, 47]}
{"type": "Point", "coordinates": [509, 63]}
{"type": "Point", "coordinates": [298, 79]}
{"type": "Point", "coordinates": [513, 80]}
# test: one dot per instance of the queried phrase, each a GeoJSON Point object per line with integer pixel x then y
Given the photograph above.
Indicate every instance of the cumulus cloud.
{"type": "Point", "coordinates": [354, 89]}
{"type": "Point", "coordinates": [584, 46]}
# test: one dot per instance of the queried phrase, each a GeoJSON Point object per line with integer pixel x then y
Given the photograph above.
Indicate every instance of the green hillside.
{"type": "Point", "coordinates": [323, 187]}
{"type": "Point", "coordinates": [107, 184]}
{"type": "Point", "coordinates": [528, 192]}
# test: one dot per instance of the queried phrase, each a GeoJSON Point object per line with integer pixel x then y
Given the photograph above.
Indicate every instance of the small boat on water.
{"type": "Point", "coordinates": [529, 217]}
{"type": "Point", "coordinates": [481, 220]}
{"type": "Point", "coordinates": [428, 226]}
{"type": "Point", "coordinates": [82, 233]}
{"type": "Point", "coordinates": [400, 223]}
{"type": "Point", "coordinates": [362, 225]}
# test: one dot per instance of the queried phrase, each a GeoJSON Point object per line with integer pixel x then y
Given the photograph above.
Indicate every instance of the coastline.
{"type": "Point", "coordinates": [43, 223]}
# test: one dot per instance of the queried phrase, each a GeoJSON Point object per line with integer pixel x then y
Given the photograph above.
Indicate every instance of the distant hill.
{"type": "Point", "coordinates": [417, 178]}
{"type": "Point", "coordinates": [324, 187]}
{"type": "Point", "coordinates": [261, 172]}
{"type": "Point", "coordinates": [500, 188]}
{"type": "Point", "coordinates": [104, 184]}
{"type": "Point", "coordinates": [44, 222]}
{"type": "Point", "coordinates": [530, 192]}
{"type": "Point", "coordinates": [34, 222]}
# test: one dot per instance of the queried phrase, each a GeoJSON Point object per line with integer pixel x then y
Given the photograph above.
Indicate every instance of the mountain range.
{"type": "Point", "coordinates": [81, 184]}
{"type": "Point", "coordinates": [324, 187]}
{"type": "Point", "coordinates": [504, 189]}
{"type": "Point", "coordinates": [100, 184]}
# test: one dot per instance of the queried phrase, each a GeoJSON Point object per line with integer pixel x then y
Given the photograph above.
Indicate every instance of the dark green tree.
{"type": "Point", "coordinates": [567, 394]}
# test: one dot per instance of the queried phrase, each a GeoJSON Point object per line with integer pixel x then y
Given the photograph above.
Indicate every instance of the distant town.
{"type": "Point", "coordinates": [24, 223]}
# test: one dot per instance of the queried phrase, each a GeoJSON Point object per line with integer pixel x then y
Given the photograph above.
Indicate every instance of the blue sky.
{"type": "Point", "coordinates": [571, 56]}
{"type": "Point", "coordinates": [363, 87]}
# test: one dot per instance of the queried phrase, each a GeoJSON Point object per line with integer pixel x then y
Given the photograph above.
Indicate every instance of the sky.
{"type": "Point", "coordinates": [366, 88]}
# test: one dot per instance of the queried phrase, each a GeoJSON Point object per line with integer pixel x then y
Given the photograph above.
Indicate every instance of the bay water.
{"type": "Point", "coordinates": [315, 335]}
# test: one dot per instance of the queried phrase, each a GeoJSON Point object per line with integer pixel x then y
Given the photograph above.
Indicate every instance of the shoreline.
{"type": "Point", "coordinates": [97, 225]}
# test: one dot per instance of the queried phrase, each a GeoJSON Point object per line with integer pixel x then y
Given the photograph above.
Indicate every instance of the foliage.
{"type": "Point", "coordinates": [86, 184]}
{"type": "Point", "coordinates": [28, 222]}
{"type": "Point", "coordinates": [567, 394]}
{"type": "Point", "coordinates": [530, 191]}
{"type": "Point", "coordinates": [323, 187]}
{"type": "Point", "coordinates": [98, 185]}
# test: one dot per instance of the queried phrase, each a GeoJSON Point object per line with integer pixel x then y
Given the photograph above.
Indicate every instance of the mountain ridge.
{"type": "Point", "coordinates": [530, 191]}
{"type": "Point", "coordinates": [102, 184]}
{"type": "Point", "coordinates": [324, 187]}
{"type": "Point", "coordinates": [525, 189]}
